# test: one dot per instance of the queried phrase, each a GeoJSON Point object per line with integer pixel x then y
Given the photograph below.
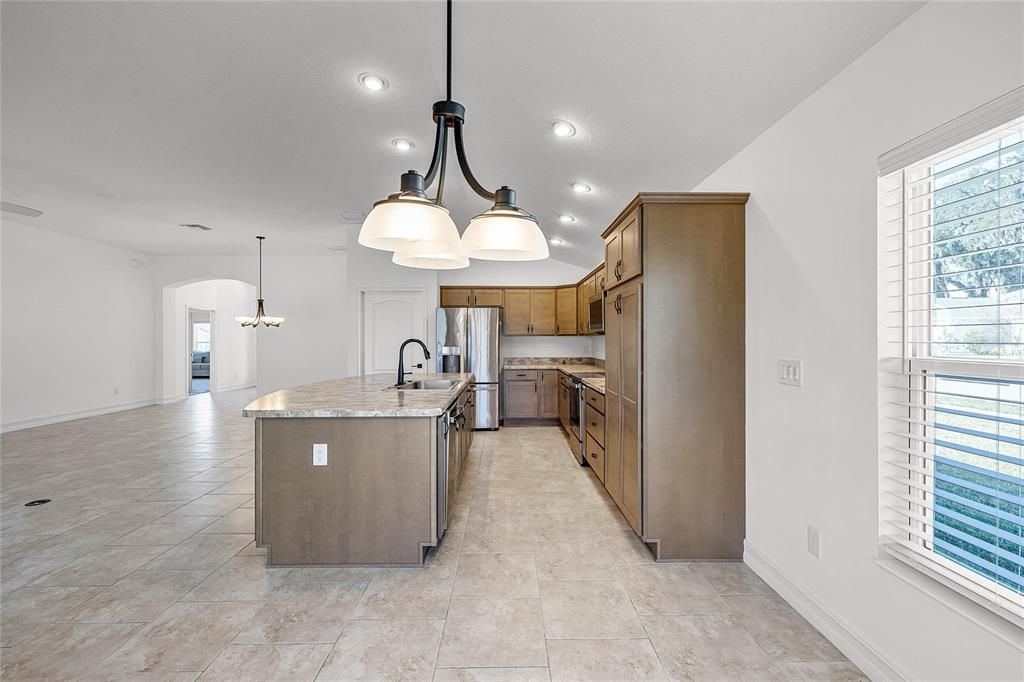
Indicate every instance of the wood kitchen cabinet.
{"type": "Point", "coordinates": [458, 297]}
{"type": "Point", "coordinates": [674, 452]}
{"type": "Point", "coordinates": [543, 312]}
{"type": "Point", "coordinates": [549, 385]}
{"type": "Point", "coordinates": [517, 312]}
{"type": "Point", "coordinates": [566, 310]}
{"type": "Point", "coordinates": [531, 312]}
{"type": "Point", "coordinates": [622, 249]}
{"type": "Point", "coordinates": [522, 399]}
{"type": "Point", "coordinates": [563, 403]}
{"type": "Point", "coordinates": [582, 299]}
{"type": "Point", "coordinates": [531, 394]}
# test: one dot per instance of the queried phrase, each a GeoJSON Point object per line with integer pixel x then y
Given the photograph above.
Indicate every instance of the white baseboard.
{"type": "Point", "coordinates": [167, 400]}
{"type": "Point", "coordinates": [236, 387]}
{"type": "Point", "coordinates": [871, 662]}
{"type": "Point", "coordinates": [71, 416]}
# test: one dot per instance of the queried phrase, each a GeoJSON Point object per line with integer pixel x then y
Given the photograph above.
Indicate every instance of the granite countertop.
{"type": "Point", "coordinates": [363, 396]}
{"type": "Point", "coordinates": [596, 383]}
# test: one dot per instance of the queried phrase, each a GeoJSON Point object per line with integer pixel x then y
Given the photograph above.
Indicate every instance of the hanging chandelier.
{"type": "Point", "coordinates": [419, 229]}
{"type": "Point", "coordinates": [267, 320]}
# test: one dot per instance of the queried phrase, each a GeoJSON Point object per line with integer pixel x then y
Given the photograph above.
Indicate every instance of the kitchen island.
{"type": "Point", "coordinates": [356, 472]}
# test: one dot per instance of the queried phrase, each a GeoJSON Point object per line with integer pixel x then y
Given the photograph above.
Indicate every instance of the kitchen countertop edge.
{"type": "Point", "coordinates": [362, 392]}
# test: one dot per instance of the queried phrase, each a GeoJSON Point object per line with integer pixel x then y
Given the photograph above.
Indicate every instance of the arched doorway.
{"type": "Point", "coordinates": [203, 349]}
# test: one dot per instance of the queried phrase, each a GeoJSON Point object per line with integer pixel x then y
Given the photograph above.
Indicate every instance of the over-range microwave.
{"type": "Point", "coordinates": [596, 317]}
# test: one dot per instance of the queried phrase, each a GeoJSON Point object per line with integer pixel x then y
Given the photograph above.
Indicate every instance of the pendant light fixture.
{"type": "Point", "coordinates": [267, 320]}
{"type": "Point", "coordinates": [419, 230]}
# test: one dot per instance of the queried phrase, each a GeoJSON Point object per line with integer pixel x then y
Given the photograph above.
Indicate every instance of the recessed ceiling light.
{"type": "Point", "coordinates": [563, 129]}
{"type": "Point", "coordinates": [197, 226]}
{"type": "Point", "coordinates": [372, 81]}
{"type": "Point", "coordinates": [556, 241]}
{"type": "Point", "coordinates": [566, 218]}
{"type": "Point", "coordinates": [402, 144]}
{"type": "Point", "coordinates": [580, 187]}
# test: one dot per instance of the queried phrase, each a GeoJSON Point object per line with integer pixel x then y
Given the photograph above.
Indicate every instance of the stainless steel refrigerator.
{"type": "Point", "coordinates": [469, 340]}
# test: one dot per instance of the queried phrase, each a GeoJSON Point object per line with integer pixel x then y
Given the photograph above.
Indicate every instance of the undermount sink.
{"type": "Point", "coordinates": [429, 385]}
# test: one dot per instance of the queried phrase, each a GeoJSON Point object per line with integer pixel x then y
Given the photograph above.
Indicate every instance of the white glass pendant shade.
{"type": "Point", "coordinates": [504, 234]}
{"type": "Point", "coordinates": [401, 220]}
{"type": "Point", "coordinates": [429, 258]}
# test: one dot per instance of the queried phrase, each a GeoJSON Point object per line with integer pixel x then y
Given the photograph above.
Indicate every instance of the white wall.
{"type": "Point", "coordinates": [308, 291]}
{"type": "Point", "coordinates": [233, 363]}
{"type": "Point", "coordinates": [372, 269]}
{"type": "Point", "coordinates": [811, 295]}
{"type": "Point", "coordinates": [77, 327]}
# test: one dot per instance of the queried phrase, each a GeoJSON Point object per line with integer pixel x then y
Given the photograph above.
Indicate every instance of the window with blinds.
{"type": "Point", "coordinates": [952, 371]}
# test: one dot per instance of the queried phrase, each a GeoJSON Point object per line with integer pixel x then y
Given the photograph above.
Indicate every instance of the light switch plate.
{"type": "Point", "coordinates": [319, 454]}
{"type": "Point", "coordinates": [814, 542]}
{"type": "Point", "coordinates": [791, 372]}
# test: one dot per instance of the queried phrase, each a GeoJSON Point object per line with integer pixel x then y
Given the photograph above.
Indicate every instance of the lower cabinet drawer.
{"type": "Point", "coordinates": [595, 424]}
{"type": "Point", "coordinates": [522, 375]}
{"type": "Point", "coordinates": [595, 457]}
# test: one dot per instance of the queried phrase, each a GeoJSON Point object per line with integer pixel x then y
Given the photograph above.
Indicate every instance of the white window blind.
{"type": "Point", "coordinates": [952, 366]}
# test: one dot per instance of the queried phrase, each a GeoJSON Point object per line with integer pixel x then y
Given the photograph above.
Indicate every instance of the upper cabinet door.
{"type": "Point", "coordinates": [459, 298]}
{"type": "Point", "coordinates": [599, 284]}
{"type": "Point", "coordinates": [582, 300]}
{"type": "Point", "coordinates": [612, 256]}
{"type": "Point", "coordinates": [517, 312]}
{"type": "Point", "coordinates": [543, 312]}
{"type": "Point", "coordinates": [566, 312]}
{"type": "Point", "coordinates": [622, 251]}
{"type": "Point", "coordinates": [488, 297]}
{"type": "Point", "coordinates": [631, 249]}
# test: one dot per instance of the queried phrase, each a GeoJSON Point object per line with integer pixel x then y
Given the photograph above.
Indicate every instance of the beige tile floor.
{"type": "Point", "coordinates": [143, 568]}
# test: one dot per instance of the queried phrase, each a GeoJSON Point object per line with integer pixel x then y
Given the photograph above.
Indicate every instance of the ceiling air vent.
{"type": "Point", "coordinates": [20, 210]}
{"type": "Point", "coordinates": [197, 226]}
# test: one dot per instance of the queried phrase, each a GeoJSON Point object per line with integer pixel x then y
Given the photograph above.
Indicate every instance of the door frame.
{"type": "Point", "coordinates": [189, 310]}
{"type": "Point", "coordinates": [428, 327]}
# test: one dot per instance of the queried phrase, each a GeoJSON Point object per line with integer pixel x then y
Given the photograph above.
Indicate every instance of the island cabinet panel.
{"type": "Point", "coordinates": [373, 503]}
{"type": "Point", "coordinates": [566, 310]}
{"type": "Point", "coordinates": [456, 298]}
{"type": "Point", "coordinates": [549, 385]}
{"type": "Point", "coordinates": [517, 312]}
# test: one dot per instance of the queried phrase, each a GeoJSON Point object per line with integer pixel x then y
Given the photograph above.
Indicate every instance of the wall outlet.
{"type": "Point", "coordinates": [814, 542]}
{"type": "Point", "coordinates": [319, 454]}
{"type": "Point", "coordinates": [117, 390]}
{"type": "Point", "coordinates": [791, 372]}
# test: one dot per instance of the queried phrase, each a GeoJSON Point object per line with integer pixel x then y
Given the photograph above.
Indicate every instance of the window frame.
{"type": "Point", "coordinates": [915, 370]}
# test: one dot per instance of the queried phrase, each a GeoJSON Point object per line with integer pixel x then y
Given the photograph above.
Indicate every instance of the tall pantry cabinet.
{"type": "Point", "coordinates": [674, 363]}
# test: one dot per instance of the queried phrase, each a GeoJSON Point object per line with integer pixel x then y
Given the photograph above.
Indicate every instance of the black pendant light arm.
{"type": "Point", "coordinates": [460, 151]}
{"type": "Point", "coordinates": [440, 149]}
{"type": "Point", "coordinates": [259, 294]}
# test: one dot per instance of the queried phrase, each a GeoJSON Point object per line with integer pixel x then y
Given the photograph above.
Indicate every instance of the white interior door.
{"type": "Point", "coordinates": [388, 319]}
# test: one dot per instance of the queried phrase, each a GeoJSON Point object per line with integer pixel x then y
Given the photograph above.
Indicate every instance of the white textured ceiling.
{"type": "Point", "coordinates": [121, 120]}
